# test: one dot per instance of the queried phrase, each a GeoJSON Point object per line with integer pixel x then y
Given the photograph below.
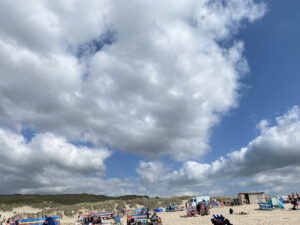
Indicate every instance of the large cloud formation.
{"type": "Point", "coordinates": [143, 76]}
{"type": "Point", "coordinates": [146, 77]}
{"type": "Point", "coordinates": [269, 162]}
{"type": "Point", "coordinates": [47, 161]}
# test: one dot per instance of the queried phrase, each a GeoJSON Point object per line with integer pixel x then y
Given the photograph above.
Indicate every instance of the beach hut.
{"type": "Point", "coordinates": [251, 197]}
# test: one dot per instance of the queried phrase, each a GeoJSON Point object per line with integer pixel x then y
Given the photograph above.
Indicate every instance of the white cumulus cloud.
{"type": "Point", "coordinates": [143, 76]}
{"type": "Point", "coordinates": [146, 77]}
{"type": "Point", "coordinates": [45, 160]}
{"type": "Point", "coordinates": [269, 162]}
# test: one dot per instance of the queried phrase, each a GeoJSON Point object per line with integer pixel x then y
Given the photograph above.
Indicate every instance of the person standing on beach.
{"type": "Point", "coordinates": [198, 208]}
{"type": "Point", "coordinates": [295, 204]}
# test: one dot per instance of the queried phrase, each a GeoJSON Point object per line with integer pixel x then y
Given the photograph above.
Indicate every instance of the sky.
{"type": "Point", "coordinates": [194, 97]}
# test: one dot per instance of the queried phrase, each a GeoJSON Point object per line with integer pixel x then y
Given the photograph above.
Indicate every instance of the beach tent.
{"type": "Point", "coordinates": [203, 198]}
{"type": "Point", "coordinates": [284, 199]}
{"type": "Point", "coordinates": [275, 203]}
{"type": "Point", "coordinates": [51, 221]}
{"type": "Point", "coordinates": [117, 220]}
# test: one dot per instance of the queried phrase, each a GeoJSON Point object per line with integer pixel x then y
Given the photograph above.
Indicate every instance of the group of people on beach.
{"type": "Point", "coordinates": [152, 219]}
{"type": "Point", "coordinates": [294, 199]}
{"type": "Point", "coordinates": [88, 220]}
{"type": "Point", "coordinates": [203, 208]}
{"type": "Point", "coordinates": [4, 221]}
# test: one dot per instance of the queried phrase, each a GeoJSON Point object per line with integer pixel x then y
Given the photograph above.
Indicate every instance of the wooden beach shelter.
{"type": "Point", "coordinates": [251, 197]}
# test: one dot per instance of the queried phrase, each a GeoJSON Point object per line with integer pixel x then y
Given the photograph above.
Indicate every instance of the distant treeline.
{"type": "Point", "coordinates": [64, 199]}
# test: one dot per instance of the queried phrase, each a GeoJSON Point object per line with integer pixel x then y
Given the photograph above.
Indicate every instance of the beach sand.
{"type": "Point", "coordinates": [23, 209]}
{"type": "Point", "coordinates": [254, 216]}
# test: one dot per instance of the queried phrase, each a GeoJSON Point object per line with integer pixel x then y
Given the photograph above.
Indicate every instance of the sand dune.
{"type": "Point", "coordinates": [19, 210]}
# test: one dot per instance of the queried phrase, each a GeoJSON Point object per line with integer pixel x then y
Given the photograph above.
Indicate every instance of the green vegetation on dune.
{"type": "Point", "coordinates": [71, 205]}
{"type": "Point", "coordinates": [64, 199]}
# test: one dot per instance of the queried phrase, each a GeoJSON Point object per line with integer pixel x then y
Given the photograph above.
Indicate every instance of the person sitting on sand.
{"type": "Point", "coordinates": [159, 220]}
{"type": "Point", "coordinates": [231, 211]}
{"type": "Point", "coordinates": [193, 214]}
{"type": "Point", "coordinates": [220, 220]}
{"type": "Point", "coordinates": [130, 221]}
{"type": "Point", "coordinates": [206, 209]}
{"type": "Point", "coordinates": [155, 219]}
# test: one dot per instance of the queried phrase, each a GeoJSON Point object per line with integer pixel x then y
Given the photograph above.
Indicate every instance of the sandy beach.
{"type": "Point", "coordinates": [253, 217]}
